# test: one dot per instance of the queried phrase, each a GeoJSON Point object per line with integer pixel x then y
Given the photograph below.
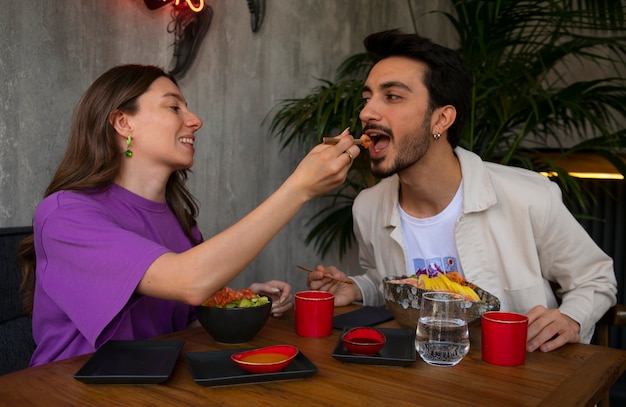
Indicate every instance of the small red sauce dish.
{"type": "Point", "coordinates": [265, 360]}
{"type": "Point", "coordinates": [363, 341]}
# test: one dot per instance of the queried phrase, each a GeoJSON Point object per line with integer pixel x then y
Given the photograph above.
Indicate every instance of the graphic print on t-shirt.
{"type": "Point", "coordinates": [436, 265]}
{"type": "Point", "coordinates": [429, 244]}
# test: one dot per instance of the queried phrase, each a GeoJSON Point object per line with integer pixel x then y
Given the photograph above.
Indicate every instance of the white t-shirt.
{"type": "Point", "coordinates": [429, 242]}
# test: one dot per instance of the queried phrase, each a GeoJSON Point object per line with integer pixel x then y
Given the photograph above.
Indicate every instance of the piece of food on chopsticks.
{"type": "Point", "coordinates": [229, 298]}
{"type": "Point", "coordinates": [364, 141]}
{"type": "Point", "coordinates": [449, 282]}
{"type": "Point", "coordinates": [327, 275]}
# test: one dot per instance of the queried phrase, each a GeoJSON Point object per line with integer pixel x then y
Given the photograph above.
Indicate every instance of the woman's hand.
{"type": "Point", "coordinates": [325, 167]}
{"type": "Point", "coordinates": [279, 291]}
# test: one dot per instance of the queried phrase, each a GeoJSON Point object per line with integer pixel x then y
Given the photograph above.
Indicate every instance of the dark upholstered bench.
{"type": "Point", "coordinates": [16, 339]}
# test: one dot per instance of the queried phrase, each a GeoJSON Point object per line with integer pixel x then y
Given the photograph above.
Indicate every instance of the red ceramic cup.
{"type": "Point", "coordinates": [314, 313]}
{"type": "Point", "coordinates": [504, 338]}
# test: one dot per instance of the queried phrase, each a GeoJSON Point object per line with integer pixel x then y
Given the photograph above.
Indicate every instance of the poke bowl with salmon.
{"type": "Point", "coordinates": [403, 295]}
{"type": "Point", "coordinates": [234, 316]}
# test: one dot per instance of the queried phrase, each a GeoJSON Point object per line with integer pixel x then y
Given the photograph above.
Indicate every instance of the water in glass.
{"type": "Point", "coordinates": [442, 337]}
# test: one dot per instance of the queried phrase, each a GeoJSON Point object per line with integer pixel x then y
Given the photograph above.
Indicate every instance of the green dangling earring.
{"type": "Point", "coordinates": [128, 153]}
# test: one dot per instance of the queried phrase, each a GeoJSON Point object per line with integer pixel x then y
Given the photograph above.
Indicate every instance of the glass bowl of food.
{"type": "Point", "coordinates": [403, 296]}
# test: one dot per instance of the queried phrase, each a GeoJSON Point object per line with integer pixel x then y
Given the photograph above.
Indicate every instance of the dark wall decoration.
{"type": "Point", "coordinates": [190, 23]}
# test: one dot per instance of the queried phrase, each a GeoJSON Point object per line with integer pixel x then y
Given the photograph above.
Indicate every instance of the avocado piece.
{"type": "Point", "coordinates": [245, 303]}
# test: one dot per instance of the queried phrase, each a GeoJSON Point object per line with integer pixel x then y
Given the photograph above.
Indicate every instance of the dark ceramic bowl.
{"type": "Point", "coordinates": [363, 341]}
{"type": "Point", "coordinates": [265, 360]}
{"type": "Point", "coordinates": [234, 325]}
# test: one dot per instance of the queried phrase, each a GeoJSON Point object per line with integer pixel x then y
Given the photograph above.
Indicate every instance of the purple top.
{"type": "Point", "coordinates": [92, 250]}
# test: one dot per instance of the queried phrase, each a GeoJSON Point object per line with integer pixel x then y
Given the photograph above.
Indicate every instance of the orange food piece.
{"type": "Point", "coordinates": [410, 280]}
{"type": "Point", "coordinates": [366, 141]}
{"type": "Point", "coordinates": [228, 295]}
{"type": "Point", "coordinates": [456, 277]}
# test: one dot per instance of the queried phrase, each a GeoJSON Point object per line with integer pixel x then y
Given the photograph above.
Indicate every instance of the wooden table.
{"type": "Point", "coordinates": [574, 375]}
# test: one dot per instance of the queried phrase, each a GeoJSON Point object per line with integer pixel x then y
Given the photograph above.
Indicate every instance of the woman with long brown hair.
{"type": "Point", "coordinates": [116, 253]}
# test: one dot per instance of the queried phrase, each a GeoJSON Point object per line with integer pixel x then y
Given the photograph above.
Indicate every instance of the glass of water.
{"type": "Point", "coordinates": [442, 337]}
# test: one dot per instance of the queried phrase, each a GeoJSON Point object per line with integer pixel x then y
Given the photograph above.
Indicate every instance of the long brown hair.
{"type": "Point", "coordinates": [92, 158]}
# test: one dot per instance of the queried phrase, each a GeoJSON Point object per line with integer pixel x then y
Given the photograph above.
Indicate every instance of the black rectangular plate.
{"type": "Point", "coordinates": [399, 350]}
{"type": "Point", "coordinates": [215, 368]}
{"type": "Point", "coordinates": [364, 316]}
{"type": "Point", "coordinates": [131, 362]}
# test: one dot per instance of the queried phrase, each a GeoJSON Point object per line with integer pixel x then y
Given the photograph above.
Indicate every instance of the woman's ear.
{"type": "Point", "coordinates": [119, 121]}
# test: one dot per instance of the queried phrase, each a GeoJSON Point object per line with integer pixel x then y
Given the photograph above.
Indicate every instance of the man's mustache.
{"type": "Point", "coordinates": [381, 128]}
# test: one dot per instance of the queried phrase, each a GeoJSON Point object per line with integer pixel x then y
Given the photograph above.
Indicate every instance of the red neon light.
{"type": "Point", "coordinates": [155, 4]}
{"type": "Point", "coordinates": [192, 6]}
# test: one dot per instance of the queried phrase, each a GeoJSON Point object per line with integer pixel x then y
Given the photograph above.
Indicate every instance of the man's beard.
{"type": "Point", "coordinates": [412, 148]}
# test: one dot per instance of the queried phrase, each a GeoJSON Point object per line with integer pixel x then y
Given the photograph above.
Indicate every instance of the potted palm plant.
{"type": "Point", "coordinates": [521, 54]}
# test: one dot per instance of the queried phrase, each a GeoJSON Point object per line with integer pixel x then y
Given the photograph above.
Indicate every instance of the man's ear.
{"type": "Point", "coordinates": [443, 118]}
{"type": "Point", "coordinates": [119, 121]}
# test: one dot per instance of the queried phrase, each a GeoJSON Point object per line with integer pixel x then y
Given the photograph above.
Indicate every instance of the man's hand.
{"type": "Point", "coordinates": [345, 294]}
{"type": "Point", "coordinates": [549, 329]}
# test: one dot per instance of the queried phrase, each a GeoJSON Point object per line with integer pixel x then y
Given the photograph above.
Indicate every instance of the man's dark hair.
{"type": "Point", "coordinates": [448, 78]}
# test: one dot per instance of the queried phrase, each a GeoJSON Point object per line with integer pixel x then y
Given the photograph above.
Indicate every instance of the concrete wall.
{"type": "Point", "coordinates": [51, 51]}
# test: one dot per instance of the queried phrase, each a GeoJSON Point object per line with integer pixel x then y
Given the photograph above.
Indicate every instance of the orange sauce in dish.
{"type": "Point", "coordinates": [264, 358]}
{"type": "Point", "coordinates": [364, 341]}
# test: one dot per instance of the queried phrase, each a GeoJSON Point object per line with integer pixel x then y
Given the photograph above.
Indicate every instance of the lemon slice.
{"type": "Point", "coordinates": [443, 283]}
{"type": "Point", "coordinates": [423, 282]}
{"type": "Point", "coordinates": [468, 293]}
{"type": "Point", "coordinates": [449, 284]}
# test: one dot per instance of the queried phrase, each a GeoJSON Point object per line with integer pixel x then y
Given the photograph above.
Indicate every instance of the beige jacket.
{"type": "Point", "coordinates": [514, 237]}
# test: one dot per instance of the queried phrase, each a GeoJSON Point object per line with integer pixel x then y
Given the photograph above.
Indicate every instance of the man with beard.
{"type": "Point", "coordinates": [440, 208]}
